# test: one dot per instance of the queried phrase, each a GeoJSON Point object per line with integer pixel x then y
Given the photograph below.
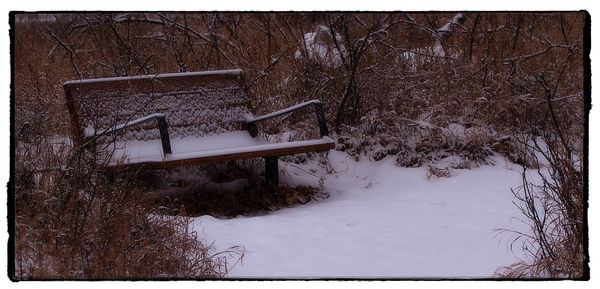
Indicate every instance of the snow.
{"type": "Point", "coordinates": [455, 129]}
{"type": "Point", "coordinates": [423, 55]}
{"type": "Point", "coordinates": [320, 46]}
{"type": "Point", "coordinates": [379, 221]}
{"type": "Point", "coordinates": [455, 20]}
{"type": "Point", "coordinates": [197, 147]}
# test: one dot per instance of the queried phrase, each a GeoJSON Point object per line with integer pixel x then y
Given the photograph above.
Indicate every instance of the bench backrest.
{"type": "Point", "coordinates": [194, 103]}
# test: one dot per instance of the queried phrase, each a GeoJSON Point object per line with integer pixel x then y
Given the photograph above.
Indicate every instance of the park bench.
{"type": "Point", "coordinates": [176, 119]}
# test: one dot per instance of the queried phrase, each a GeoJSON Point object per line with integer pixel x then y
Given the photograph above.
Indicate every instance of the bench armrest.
{"type": "Point", "coordinates": [251, 120]}
{"type": "Point", "coordinates": [162, 128]}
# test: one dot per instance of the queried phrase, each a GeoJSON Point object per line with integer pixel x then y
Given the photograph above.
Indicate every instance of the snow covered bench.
{"type": "Point", "coordinates": [169, 120]}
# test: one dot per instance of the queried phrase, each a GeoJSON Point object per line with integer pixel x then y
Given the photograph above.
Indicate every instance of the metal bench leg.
{"type": "Point", "coordinates": [271, 171]}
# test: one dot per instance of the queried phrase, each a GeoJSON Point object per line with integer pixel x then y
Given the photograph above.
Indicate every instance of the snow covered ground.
{"type": "Point", "coordinates": [379, 221]}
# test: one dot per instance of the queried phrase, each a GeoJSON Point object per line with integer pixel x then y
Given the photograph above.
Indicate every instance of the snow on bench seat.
{"type": "Point", "coordinates": [227, 146]}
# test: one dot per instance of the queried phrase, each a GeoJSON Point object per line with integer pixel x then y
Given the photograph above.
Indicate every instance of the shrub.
{"type": "Point", "coordinates": [75, 221]}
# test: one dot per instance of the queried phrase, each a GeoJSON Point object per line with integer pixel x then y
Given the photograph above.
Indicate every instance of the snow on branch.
{"type": "Point", "coordinates": [320, 46]}
{"type": "Point", "coordinates": [449, 27]}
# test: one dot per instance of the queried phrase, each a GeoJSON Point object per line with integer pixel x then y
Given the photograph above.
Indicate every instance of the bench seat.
{"type": "Point", "coordinates": [233, 145]}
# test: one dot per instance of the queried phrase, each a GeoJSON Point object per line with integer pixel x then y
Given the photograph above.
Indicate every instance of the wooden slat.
{"type": "Point", "coordinates": [147, 84]}
{"type": "Point", "coordinates": [229, 157]}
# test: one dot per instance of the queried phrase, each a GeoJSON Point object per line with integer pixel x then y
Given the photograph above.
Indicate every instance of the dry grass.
{"type": "Point", "coordinates": [555, 211]}
{"type": "Point", "coordinates": [80, 222]}
{"type": "Point", "coordinates": [217, 201]}
{"type": "Point", "coordinates": [223, 190]}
